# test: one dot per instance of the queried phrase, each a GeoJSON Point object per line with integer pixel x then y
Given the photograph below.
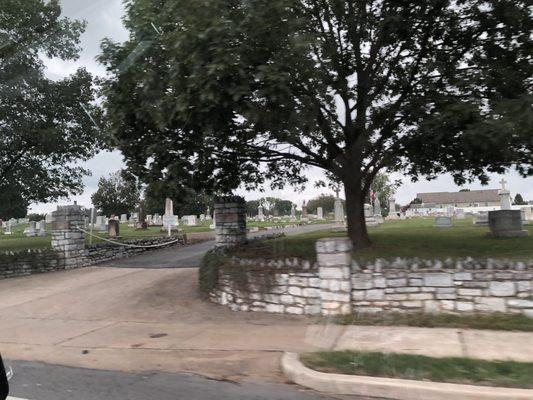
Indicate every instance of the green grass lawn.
{"type": "Point", "coordinates": [407, 366]}
{"type": "Point", "coordinates": [18, 241]}
{"type": "Point", "coordinates": [496, 321]}
{"type": "Point", "coordinates": [416, 237]}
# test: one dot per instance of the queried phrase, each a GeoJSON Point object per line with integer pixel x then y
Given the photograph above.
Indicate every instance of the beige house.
{"type": "Point", "coordinates": [473, 198]}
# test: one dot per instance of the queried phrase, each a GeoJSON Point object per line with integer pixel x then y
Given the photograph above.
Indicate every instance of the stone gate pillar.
{"type": "Point", "coordinates": [68, 241]}
{"type": "Point", "coordinates": [230, 221]}
{"type": "Point", "coordinates": [334, 257]}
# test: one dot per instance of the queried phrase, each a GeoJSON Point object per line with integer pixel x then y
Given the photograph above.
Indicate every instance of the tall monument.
{"type": "Point", "coordinates": [505, 196]}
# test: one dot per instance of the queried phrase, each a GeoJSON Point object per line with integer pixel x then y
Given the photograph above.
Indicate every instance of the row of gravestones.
{"type": "Point", "coordinates": [34, 228]}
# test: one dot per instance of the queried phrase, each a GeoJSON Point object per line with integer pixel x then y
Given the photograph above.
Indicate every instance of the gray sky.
{"type": "Point", "coordinates": [104, 20]}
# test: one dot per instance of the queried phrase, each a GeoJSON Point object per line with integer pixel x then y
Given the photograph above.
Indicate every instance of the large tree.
{"type": "Point", "coordinates": [216, 93]}
{"type": "Point", "coordinates": [46, 126]}
{"type": "Point", "coordinates": [116, 195]}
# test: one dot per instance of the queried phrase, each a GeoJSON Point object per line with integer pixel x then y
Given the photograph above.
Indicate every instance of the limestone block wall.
{"type": "Point", "coordinates": [443, 291]}
{"type": "Point", "coordinates": [28, 262]}
{"type": "Point", "coordinates": [336, 284]}
{"type": "Point", "coordinates": [289, 287]}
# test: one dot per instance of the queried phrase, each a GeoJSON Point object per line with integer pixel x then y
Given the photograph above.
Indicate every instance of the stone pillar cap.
{"type": "Point", "coordinates": [334, 245]}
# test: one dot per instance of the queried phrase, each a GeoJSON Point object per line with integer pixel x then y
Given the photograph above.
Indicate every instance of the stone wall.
{"type": "Point", "coordinates": [27, 262]}
{"type": "Point", "coordinates": [69, 249]}
{"type": "Point", "coordinates": [438, 291]}
{"type": "Point", "coordinates": [336, 284]}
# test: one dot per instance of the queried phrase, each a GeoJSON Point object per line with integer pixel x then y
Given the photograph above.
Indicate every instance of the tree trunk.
{"type": "Point", "coordinates": [355, 215]}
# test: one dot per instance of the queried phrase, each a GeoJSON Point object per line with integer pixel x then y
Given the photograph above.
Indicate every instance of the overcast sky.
{"type": "Point", "coordinates": [104, 20]}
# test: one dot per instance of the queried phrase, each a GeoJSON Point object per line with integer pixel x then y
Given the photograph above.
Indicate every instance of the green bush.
{"type": "Point", "coordinates": [209, 270]}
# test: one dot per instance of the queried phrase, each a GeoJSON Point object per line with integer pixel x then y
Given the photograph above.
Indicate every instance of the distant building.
{"type": "Point", "coordinates": [473, 198]}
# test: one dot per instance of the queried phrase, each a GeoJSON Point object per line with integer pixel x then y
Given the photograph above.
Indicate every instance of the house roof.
{"type": "Point", "coordinates": [474, 196]}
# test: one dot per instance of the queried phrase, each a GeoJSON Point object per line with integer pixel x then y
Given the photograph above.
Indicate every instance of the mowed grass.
{"type": "Point", "coordinates": [415, 367]}
{"type": "Point", "coordinates": [495, 321]}
{"type": "Point", "coordinates": [416, 237]}
{"type": "Point", "coordinates": [18, 241]}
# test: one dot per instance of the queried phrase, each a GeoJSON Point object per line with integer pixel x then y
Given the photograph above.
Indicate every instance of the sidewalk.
{"type": "Point", "coordinates": [433, 342]}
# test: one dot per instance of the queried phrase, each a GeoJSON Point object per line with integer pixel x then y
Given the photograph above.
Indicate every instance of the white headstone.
{"type": "Point", "coordinates": [208, 214]}
{"type": "Point", "coordinates": [320, 213]}
{"type": "Point", "coordinates": [8, 228]}
{"type": "Point", "coordinates": [293, 212]}
{"type": "Point", "coordinates": [31, 230]}
{"type": "Point", "coordinates": [339, 211]}
{"type": "Point", "coordinates": [41, 228]}
{"type": "Point", "coordinates": [214, 224]}
{"type": "Point", "coordinates": [48, 218]}
{"type": "Point", "coordinates": [377, 206]}
{"type": "Point", "coordinates": [191, 220]}
{"type": "Point", "coordinates": [169, 207]}
{"type": "Point", "coordinates": [260, 215]}
{"type": "Point", "coordinates": [124, 218]}
{"type": "Point", "coordinates": [505, 196]}
{"type": "Point", "coordinates": [100, 224]}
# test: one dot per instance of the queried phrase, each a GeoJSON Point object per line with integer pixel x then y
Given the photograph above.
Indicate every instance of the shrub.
{"type": "Point", "coordinates": [209, 270]}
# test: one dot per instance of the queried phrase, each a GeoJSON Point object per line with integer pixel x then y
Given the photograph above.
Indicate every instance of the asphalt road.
{"type": "Point", "coordinates": [190, 256]}
{"type": "Point", "coordinates": [37, 381]}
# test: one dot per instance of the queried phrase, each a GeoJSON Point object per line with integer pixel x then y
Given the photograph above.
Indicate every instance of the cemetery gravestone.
{"type": "Point", "coordinates": [320, 213]}
{"type": "Point", "coordinates": [124, 218]}
{"type": "Point", "coordinates": [339, 211]}
{"type": "Point", "coordinates": [392, 210]}
{"type": "Point", "coordinates": [100, 224]}
{"type": "Point", "coordinates": [41, 228]}
{"type": "Point", "coordinates": [191, 220]}
{"type": "Point", "coordinates": [31, 230]}
{"type": "Point", "coordinates": [260, 213]}
{"type": "Point", "coordinates": [113, 228]}
{"type": "Point", "coordinates": [369, 216]}
{"type": "Point", "coordinates": [304, 212]}
{"type": "Point", "coordinates": [506, 223]}
{"type": "Point", "coordinates": [481, 219]}
{"type": "Point", "coordinates": [377, 210]}
{"type": "Point", "coordinates": [505, 196]}
{"type": "Point", "coordinates": [443, 222]}
{"type": "Point", "coordinates": [293, 212]}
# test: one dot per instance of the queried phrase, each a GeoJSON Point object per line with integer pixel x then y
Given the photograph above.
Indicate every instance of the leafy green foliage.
{"type": "Point", "coordinates": [116, 195]}
{"type": "Point", "coordinates": [209, 271]}
{"type": "Point", "coordinates": [44, 125]}
{"type": "Point", "coordinates": [519, 200]}
{"type": "Point", "coordinates": [186, 201]}
{"type": "Point", "coordinates": [240, 92]}
{"type": "Point", "coordinates": [326, 201]}
{"type": "Point", "coordinates": [12, 204]}
{"type": "Point", "coordinates": [271, 206]}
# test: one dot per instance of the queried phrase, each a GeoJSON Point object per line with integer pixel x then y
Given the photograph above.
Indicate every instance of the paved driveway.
{"type": "Point", "coordinates": [190, 256]}
{"type": "Point", "coordinates": [146, 315]}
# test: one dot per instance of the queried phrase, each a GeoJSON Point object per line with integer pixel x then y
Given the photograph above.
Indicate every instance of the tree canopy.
{"type": "Point", "coordinates": [186, 201]}
{"type": "Point", "coordinates": [46, 126]}
{"type": "Point", "coordinates": [212, 93]}
{"type": "Point", "coordinates": [519, 200]}
{"type": "Point", "coordinates": [116, 195]}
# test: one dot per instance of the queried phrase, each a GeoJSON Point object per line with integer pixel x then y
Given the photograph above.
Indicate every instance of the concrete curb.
{"type": "Point", "coordinates": [399, 389]}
